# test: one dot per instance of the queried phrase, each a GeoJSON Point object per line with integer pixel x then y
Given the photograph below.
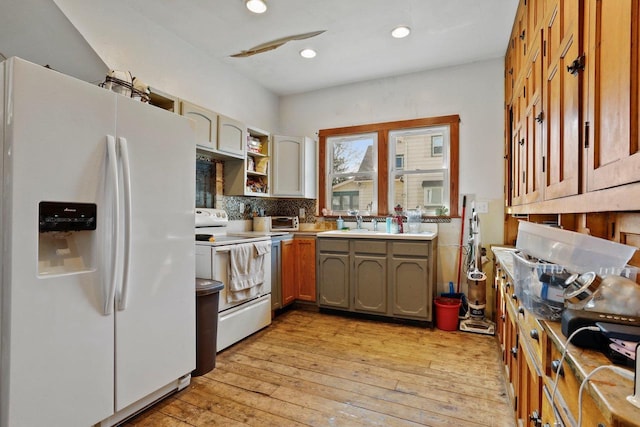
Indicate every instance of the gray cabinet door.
{"type": "Point", "coordinates": [410, 290]}
{"type": "Point", "coordinates": [333, 280]}
{"type": "Point", "coordinates": [370, 283]}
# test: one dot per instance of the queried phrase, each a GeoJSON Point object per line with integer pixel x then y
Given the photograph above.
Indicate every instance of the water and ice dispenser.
{"type": "Point", "coordinates": [66, 240]}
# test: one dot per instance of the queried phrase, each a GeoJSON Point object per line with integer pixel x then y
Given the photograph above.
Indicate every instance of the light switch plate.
{"type": "Point", "coordinates": [482, 207]}
{"type": "Point", "coordinates": [302, 213]}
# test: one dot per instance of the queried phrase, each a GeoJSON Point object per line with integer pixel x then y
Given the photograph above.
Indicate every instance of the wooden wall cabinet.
{"type": "Point", "coordinates": [572, 96]}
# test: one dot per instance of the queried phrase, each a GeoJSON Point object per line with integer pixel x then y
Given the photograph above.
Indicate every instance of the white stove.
{"type": "Point", "coordinates": [237, 319]}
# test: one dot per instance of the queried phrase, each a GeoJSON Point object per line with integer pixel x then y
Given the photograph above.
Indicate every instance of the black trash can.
{"type": "Point", "coordinates": [207, 297]}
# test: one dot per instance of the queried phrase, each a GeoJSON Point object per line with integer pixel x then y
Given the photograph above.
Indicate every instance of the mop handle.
{"type": "Point", "coordinates": [464, 206]}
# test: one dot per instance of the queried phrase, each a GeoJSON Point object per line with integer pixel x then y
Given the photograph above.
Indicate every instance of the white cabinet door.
{"type": "Point", "coordinates": [294, 172]}
{"type": "Point", "coordinates": [206, 125]}
{"type": "Point", "coordinates": [155, 333]}
{"type": "Point", "coordinates": [232, 136]}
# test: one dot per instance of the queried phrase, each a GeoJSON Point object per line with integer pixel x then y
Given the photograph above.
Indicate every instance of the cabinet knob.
{"type": "Point", "coordinates": [535, 418]}
{"type": "Point", "coordinates": [514, 351]}
{"type": "Point", "coordinates": [555, 367]}
{"type": "Point", "coordinates": [504, 277]}
{"type": "Point", "coordinates": [521, 309]}
{"type": "Point", "coordinates": [514, 297]}
{"type": "Point", "coordinates": [540, 117]}
{"type": "Point", "coordinates": [534, 334]}
{"type": "Point", "coordinates": [508, 285]}
{"type": "Point", "coordinates": [576, 66]}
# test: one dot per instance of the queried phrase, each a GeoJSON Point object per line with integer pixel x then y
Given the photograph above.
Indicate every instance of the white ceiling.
{"type": "Point", "coordinates": [356, 46]}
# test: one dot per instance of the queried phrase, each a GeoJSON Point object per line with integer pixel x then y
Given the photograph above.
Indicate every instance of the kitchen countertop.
{"type": "Point", "coordinates": [608, 390]}
{"type": "Point", "coordinates": [369, 234]}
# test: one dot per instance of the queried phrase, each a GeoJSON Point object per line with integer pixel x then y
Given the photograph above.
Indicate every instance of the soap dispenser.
{"type": "Point", "coordinates": [340, 223]}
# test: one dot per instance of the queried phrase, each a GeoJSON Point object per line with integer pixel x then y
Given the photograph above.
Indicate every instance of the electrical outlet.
{"type": "Point", "coordinates": [241, 207]}
{"type": "Point", "coordinates": [482, 207]}
{"type": "Point", "coordinates": [302, 213]}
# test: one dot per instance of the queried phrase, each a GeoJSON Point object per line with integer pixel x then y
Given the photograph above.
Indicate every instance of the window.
{"type": "Point", "coordinates": [372, 168]}
{"type": "Point", "coordinates": [352, 178]}
{"type": "Point", "coordinates": [421, 182]}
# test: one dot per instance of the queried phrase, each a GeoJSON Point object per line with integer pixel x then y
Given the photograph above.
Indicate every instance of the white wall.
{"type": "Point", "coordinates": [473, 91]}
{"type": "Point", "coordinates": [160, 59]}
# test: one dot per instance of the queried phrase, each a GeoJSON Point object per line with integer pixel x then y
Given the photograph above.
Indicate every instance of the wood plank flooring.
{"type": "Point", "coordinates": [316, 369]}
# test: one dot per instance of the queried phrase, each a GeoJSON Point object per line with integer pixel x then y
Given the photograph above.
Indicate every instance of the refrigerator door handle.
{"type": "Point", "coordinates": [112, 166]}
{"type": "Point", "coordinates": [126, 178]}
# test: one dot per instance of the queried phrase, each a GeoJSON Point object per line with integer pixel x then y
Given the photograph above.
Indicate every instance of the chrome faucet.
{"type": "Point", "coordinates": [359, 221]}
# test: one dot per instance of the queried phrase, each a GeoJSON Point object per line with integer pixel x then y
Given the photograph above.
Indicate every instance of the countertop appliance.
{"type": "Point", "coordinates": [97, 302]}
{"type": "Point", "coordinates": [237, 319]}
{"type": "Point", "coordinates": [276, 223]}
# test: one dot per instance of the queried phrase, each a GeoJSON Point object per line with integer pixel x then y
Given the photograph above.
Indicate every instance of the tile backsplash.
{"type": "Point", "coordinates": [272, 207]}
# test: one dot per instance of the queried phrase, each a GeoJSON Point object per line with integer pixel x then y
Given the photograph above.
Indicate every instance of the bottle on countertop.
{"type": "Point", "coordinates": [340, 222]}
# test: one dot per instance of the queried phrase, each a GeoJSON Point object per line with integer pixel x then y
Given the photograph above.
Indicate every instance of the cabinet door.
{"type": "Point", "coordinates": [306, 269]}
{"type": "Point", "coordinates": [529, 388]}
{"type": "Point", "coordinates": [511, 347]}
{"type": "Point", "coordinates": [288, 272]}
{"type": "Point", "coordinates": [410, 287]}
{"type": "Point", "coordinates": [206, 124]}
{"type": "Point", "coordinates": [562, 99]}
{"type": "Point", "coordinates": [613, 153]}
{"type": "Point", "coordinates": [370, 283]}
{"type": "Point", "coordinates": [333, 280]}
{"type": "Point", "coordinates": [533, 167]}
{"type": "Point", "coordinates": [294, 172]}
{"type": "Point", "coordinates": [232, 136]}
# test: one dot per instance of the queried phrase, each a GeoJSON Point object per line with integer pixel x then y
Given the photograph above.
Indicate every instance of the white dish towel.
{"type": "Point", "coordinates": [246, 270]}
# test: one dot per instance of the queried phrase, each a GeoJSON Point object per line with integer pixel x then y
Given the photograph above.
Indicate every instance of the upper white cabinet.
{"type": "Point", "coordinates": [294, 171]}
{"type": "Point", "coordinates": [232, 136]}
{"type": "Point", "coordinates": [206, 125]}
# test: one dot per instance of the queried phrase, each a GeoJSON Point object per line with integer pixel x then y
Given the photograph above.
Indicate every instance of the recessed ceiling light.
{"type": "Point", "coordinates": [308, 53]}
{"type": "Point", "coordinates": [256, 6]}
{"type": "Point", "coordinates": [400, 32]}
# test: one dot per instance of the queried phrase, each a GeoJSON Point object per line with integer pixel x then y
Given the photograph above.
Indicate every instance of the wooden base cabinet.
{"type": "Point", "coordinates": [384, 277]}
{"type": "Point", "coordinates": [533, 349]}
{"type": "Point", "coordinates": [305, 275]}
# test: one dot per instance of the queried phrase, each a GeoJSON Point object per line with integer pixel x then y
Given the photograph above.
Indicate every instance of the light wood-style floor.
{"type": "Point", "coordinates": [318, 369]}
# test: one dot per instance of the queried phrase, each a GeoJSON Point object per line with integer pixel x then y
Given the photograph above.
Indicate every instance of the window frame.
{"type": "Point", "coordinates": [382, 130]}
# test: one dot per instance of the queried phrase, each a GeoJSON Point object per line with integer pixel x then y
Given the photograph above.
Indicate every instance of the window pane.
{"type": "Point", "coordinates": [353, 179]}
{"type": "Point", "coordinates": [353, 154]}
{"type": "Point", "coordinates": [423, 190]}
{"type": "Point", "coordinates": [422, 149]}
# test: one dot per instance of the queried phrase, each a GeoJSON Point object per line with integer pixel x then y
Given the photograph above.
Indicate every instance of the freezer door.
{"type": "Point", "coordinates": [155, 314]}
{"type": "Point", "coordinates": [57, 345]}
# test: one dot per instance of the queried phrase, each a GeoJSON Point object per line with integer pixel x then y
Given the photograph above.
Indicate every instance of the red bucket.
{"type": "Point", "coordinates": [447, 313]}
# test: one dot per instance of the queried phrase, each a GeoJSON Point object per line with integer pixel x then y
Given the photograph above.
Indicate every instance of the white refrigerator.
{"type": "Point", "coordinates": [97, 301]}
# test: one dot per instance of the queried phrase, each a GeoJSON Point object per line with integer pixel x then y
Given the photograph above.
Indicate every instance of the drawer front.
{"type": "Point", "coordinates": [535, 335]}
{"type": "Point", "coordinates": [410, 248]}
{"type": "Point", "coordinates": [370, 246]}
{"type": "Point", "coordinates": [568, 386]}
{"type": "Point", "coordinates": [333, 245]}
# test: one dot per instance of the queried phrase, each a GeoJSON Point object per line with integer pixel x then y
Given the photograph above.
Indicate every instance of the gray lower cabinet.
{"type": "Point", "coordinates": [333, 273]}
{"type": "Point", "coordinates": [385, 277]}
